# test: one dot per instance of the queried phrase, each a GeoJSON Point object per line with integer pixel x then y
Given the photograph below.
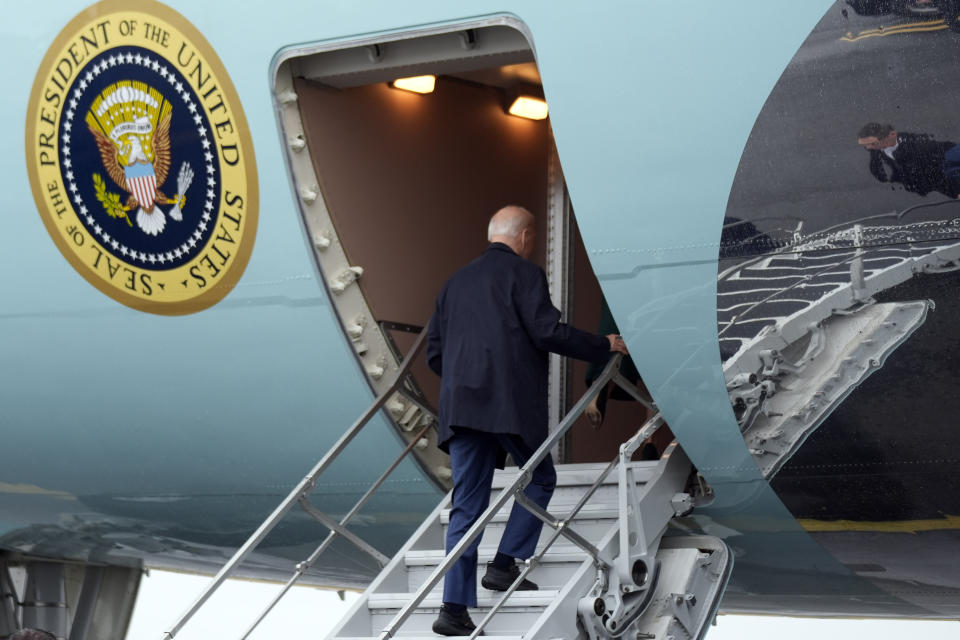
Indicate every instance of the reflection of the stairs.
{"type": "Point", "coordinates": [814, 277]}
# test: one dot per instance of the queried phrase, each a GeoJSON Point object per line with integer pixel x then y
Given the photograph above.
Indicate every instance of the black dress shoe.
{"type": "Point", "coordinates": [649, 452]}
{"type": "Point", "coordinates": [448, 624]}
{"type": "Point", "coordinates": [497, 579]}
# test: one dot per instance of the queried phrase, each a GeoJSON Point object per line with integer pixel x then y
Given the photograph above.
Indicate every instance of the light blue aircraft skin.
{"type": "Point", "coordinates": [167, 439]}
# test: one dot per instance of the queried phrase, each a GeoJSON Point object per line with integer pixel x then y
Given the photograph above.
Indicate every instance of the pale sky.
{"type": "Point", "coordinates": [310, 614]}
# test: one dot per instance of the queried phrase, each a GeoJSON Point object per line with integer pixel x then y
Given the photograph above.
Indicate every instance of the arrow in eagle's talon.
{"type": "Point", "coordinates": [184, 178]}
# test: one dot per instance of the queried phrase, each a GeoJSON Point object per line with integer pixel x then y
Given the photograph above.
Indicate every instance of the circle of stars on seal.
{"type": "Point", "coordinates": [188, 247]}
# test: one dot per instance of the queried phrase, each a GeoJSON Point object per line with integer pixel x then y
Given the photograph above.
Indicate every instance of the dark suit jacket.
{"type": "Point", "coordinates": [918, 164]}
{"type": "Point", "coordinates": [489, 337]}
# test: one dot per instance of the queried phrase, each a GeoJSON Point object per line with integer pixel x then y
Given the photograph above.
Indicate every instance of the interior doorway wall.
{"type": "Point", "coordinates": [411, 181]}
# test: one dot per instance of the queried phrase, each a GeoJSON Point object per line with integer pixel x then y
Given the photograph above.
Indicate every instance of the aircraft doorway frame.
{"type": "Point", "coordinates": [361, 55]}
{"type": "Point", "coordinates": [559, 269]}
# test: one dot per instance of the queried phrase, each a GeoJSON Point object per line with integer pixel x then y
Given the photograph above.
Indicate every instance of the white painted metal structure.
{"type": "Point", "coordinates": [358, 62]}
{"type": "Point", "coordinates": [615, 574]}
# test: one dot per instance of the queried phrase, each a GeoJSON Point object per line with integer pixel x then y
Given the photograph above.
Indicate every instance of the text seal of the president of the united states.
{"type": "Point", "coordinates": [140, 158]}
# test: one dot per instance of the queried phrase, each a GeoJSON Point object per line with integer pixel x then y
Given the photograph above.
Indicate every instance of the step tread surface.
{"type": "Point", "coordinates": [571, 474]}
{"type": "Point", "coordinates": [556, 553]}
{"type": "Point", "coordinates": [519, 599]}
{"type": "Point", "coordinates": [430, 637]}
{"type": "Point", "coordinates": [590, 511]}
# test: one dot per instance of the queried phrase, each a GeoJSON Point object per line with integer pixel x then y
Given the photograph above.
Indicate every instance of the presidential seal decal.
{"type": "Point", "coordinates": [140, 158]}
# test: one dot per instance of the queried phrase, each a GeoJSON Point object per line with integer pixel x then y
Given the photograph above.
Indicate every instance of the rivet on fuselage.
{"type": "Point", "coordinates": [298, 143]}
{"type": "Point", "coordinates": [345, 278]}
{"type": "Point", "coordinates": [396, 407]}
{"type": "Point", "coordinates": [322, 240]}
{"type": "Point", "coordinates": [355, 328]}
{"type": "Point", "coordinates": [376, 370]}
{"type": "Point", "coordinates": [309, 194]}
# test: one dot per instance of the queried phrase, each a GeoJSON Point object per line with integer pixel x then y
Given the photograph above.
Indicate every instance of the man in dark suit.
{"type": "Point", "coordinates": [916, 160]}
{"type": "Point", "coordinates": [489, 340]}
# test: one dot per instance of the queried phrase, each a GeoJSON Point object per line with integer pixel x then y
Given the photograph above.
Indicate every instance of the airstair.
{"type": "Point", "coordinates": [608, 563]}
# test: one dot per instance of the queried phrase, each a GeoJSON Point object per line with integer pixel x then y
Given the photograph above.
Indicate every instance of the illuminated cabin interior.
{"type": "Point", "coordinates": [402, 184]}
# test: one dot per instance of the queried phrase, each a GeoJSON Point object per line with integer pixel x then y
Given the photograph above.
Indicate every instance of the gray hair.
{"type": "Point", "coordinates": [32, 634]}
{"type": "Point", "coordinates": [509, 225]}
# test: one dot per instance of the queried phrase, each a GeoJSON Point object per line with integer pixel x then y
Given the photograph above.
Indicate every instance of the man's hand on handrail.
{"type": "Point", "coordinates": [592, 411]}
{"type": "Point", "coordinates": [617, 345]}
{"type": "Point", "coordinates": [593, 414]}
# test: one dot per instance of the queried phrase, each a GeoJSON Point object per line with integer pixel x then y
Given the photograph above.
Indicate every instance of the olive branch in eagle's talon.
{"type": "Point", "coordinates": [110, 201]}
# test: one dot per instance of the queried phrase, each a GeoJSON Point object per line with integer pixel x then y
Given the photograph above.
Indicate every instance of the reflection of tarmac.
{"type": "Point", "coordinates": [896, 28]}
{"type": "Point", "coordinates": [876, 484]}
{"type": "Point", "coordinates": [923, 581]}
{"type": "Point", "coordinates": [926, 576]}
{"type": "Point", "coordinates": [802, 158]}
{"type": "Point", "coordinates": [802, 173]}
{"type": "Point", "coordinates": [839, 344]}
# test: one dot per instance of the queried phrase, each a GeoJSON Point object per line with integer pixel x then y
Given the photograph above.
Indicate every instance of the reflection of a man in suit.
{"type": "Point", "coordinates": [915, 160]}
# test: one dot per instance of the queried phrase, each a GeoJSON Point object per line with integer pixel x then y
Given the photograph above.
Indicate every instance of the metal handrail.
{"type": "Point", "coordinates": [309, 562]}
{"type": "Point", "coordinates": [533, 562]}
{"type": "Point", "coordinates": [303, 489]}
{"type": "Point", "coordinates": [559, 526]}
{"type": "Point", "coordinates": [336, 527]}
{"type": "Point", "coordinates": [522, 479]}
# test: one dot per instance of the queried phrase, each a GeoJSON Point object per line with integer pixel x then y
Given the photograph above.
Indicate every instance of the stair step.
{"type": "Point", "coordinates": [558, 553]}
{"type": "Point", "coordinates": [571, 494]}
{"type": "Point", "coordinates": [590, 528]}
{"type": "Point", "coordinates": [567, 474]}
{"type": "Point", "coordinates": [421, 626]}
{"type": "Point", "coordinates": [485, 600]}
{"type": "Point", "coordinates": [513, 619]}
{"type": "Point", "coordinates": [590, 511]}
{"type": "Point", "coordinates": [551, 573]}
{"type": "Point", "coordinates": [435, 636]}
{"type": "Point", "coordinates": [560, 564]}
{"type": "Point", "coordinates": [574, 475]}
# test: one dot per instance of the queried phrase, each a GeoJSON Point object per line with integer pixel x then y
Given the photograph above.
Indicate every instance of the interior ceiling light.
{"type": "Point", "coordinates": [528, 107]}
{"type": "Point", "coordinates": [417, 84]}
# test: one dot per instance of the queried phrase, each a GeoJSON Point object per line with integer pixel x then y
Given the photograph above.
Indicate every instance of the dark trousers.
{"type": "Point", "coordinates": [473, 458]}
{"type": "Point", "coordinates": [951, 169]}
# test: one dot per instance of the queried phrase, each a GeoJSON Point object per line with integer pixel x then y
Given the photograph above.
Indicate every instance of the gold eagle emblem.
{"type": "Point", "coordinates": [130, 122]}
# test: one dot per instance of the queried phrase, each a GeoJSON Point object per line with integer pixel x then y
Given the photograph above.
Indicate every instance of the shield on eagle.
{"type": "Point", "coordinates": [142, 183]}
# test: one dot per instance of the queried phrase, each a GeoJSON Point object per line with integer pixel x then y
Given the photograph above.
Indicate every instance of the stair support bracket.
{"type": "Point", "coordinates": [630, 584]}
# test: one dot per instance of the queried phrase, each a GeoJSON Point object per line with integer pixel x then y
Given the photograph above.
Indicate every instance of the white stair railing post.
{"type": "Point", "coordinates": [303, 488]}
{"type": "Point", "coordinates": [514, 488]}
{"type": "Point", "coordinates": [309, 562]}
